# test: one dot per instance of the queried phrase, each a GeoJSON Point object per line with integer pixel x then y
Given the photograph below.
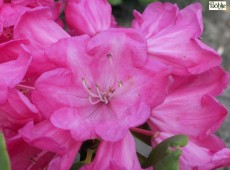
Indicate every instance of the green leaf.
{"type": "Point", "coordinates": [77, 165]}
{"type": "Point", "coordinates": [4, 158]}
{"type": "Point", "coordinates": [141, 158]}
{"type": "Point", "coordinates": [145, 2]}
{"type": "Point", "coordinates": [115, 2]}
{"type": "Point", "coordinates": [143, 138]}
{"type": "Point", "coordinates": [165, 156]}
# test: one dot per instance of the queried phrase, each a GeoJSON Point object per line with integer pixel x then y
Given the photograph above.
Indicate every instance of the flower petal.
{"type": "Point", "coordinates": [11, 13]}
{"type": "Point", "coordinates": [33, 3]}
{"type": "Point", "coordinates": [189, 93]}
{"type": "Point", "coordinates": [156, 17]}
{"type": "Point", "coordinates": [47, 137]}
{"type": "Point", "coordinates": [177, 43]}
{"type": "Point", "coordinates": [88, 16]}
{"type": "Point", "coordinates": [35, 23]}
{"type": "Point", "coordinates": [206, 119]}
{"type": "Point", "coordinates": [56, 89]}
{"type": "Point", "coordinates": [71, 119]}
{"type": "Point", "coordinates": [130, 49]}
{"type": "Point", "coordinates": [24, 156]}
{"type": "Point", "coordinates": [122, 151]}
{"type": "Point", "coordinates": [17, 110]}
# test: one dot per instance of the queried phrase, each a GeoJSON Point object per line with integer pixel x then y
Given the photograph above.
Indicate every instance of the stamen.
{"type": "Point", "coordinates": [120, 83]}
{"type": "Point", "coordinates": [99, 92]}
{"type": "Point", "coordinates": [25, 87]}
{"type": "Point", "coordinates": [35, 158]}
{"type": "Point", "coordinates": [93, 102]}
{"type": "Point", "coordinates": [110, 57]}
{"type": "Point", "coordinates": [111, 90]}
{"type": "Point", "coordinates": [88, 89]}
{"type": "Point", "coordinates": [105, 97]}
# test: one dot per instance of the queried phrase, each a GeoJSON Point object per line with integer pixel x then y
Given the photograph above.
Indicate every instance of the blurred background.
{"type": "Point", "coordinates": [216, 34]}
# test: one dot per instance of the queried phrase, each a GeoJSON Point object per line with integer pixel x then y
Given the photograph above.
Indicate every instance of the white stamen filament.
{"type": "Point", "coordinates": [110, 57]}
{"type": "Point", "coordinates": [88, 89]}
{"type": "Point", "coordinates": [101, 96]}
{"type": "Point", "coordinates": [35, 158]}
{"type": "Point", "coordinates": [25, 87]}
{"type": "Point", "coordinates": [93, 102]}
{"type": "Point", "coordinates": [99, 92]}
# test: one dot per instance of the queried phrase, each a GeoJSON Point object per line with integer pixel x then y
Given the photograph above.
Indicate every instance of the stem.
{"type": "Point", "coordinates": [142, 131]}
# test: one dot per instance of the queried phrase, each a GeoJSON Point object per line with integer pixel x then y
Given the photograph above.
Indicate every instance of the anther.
{"type": "Point", "coordinates": [109, 55]}
{"type": "Point", "coordinates": [120, 83]}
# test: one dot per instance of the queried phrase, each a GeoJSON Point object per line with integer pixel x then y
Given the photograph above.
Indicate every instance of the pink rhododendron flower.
{"type": "Point", "coordinates": [89, 16]}
{"type": "Point", "coordinates": [104, 91]}
{"type": "Point", "coordinates": [173, 37]}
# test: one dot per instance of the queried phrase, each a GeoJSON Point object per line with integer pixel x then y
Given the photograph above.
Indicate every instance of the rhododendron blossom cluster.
{"type": "Point", "coordinates": [85, 79]}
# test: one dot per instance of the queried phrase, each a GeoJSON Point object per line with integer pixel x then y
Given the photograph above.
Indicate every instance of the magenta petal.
{"type": "Point", "coordinates": [69, 50]}
{"type": "Point", "coordinates": [15, 70]}
{"type": "Point", "coordinates": [35, 23]}
{"type": "Point", "coordinates": [112, 131]}
{"type": "Point", "coordinates": [186, 94]}
{"type": "Point", "coordinates": [3, 93]}
{"type": "Point", "coordinates": [47, 137]}
{"type": "Point", "coordinates": [66, 161]}
{"type": "Point", "coordinates": [11, 50]}
{"type": "Point", "coordinates": [206, 119]}
{"type": "Point", "coordinates": [120, 155]}
{"type": "Point", "coordinates": [156, 17]}
{"type": "Point", "coordinates": [11, 13]}
{"type": "Point", "coordinates": [187, 56]}
{"type": "Point", "coordinates": [33, 3]}
{"type": "Point", "coordinates": [18, 110]}
{"type": "Point", "coordinates": [212, 142]}
{"type": "Point", "coordinates": [88, 16]}
{"type": "Point", "coordinates": [131, 48]}
{"type": "Point", "coordinates": [219, 159]}
{"type": "Point", "coordinates": [175, 42]}
{"type": "Point", "coordinates": [65, 118]}
{"type": "Point", "coordinates": [141, 116]}
{"type": "Point", "coordinates": [71, 119]}
{"type": "Point", "coordinates": [24, 156]}
{"type": "Point", "coordinates": [212, 82]}
{"type": "Point", "coordinates": [49, 95]}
